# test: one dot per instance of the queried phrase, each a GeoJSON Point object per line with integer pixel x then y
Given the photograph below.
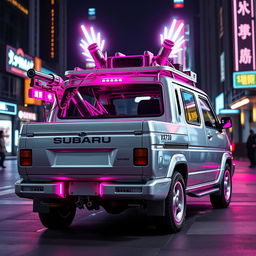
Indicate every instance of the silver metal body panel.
{"type": "Point", "coordinates": [101, 151]}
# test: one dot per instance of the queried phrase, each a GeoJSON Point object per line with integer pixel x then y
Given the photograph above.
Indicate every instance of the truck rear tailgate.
{"type": "Point", "coordinates": [82, 148]}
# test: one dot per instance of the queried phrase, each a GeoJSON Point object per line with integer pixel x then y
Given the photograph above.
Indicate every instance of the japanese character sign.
{"type": "Point", "coordinates": [244, 37]}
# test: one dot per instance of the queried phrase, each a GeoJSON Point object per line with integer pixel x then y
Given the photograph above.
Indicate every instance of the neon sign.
{"type": "Point", "coordinates": [8, 108]}
{"type": "Point", "coordinates": [41, 95]}
{"type": "Point", "coordinates": [52, 30]}
{"type": "Point", "coordinates": [178, 3]}
{"type": "Point", "coordinates": [243, 80]}
{"type": "Point", "coordinates": [24, 115]}
{"type": "Point", "coordinates": [17, 62]}
{"type": "Point", "coordinates": [244, 37]}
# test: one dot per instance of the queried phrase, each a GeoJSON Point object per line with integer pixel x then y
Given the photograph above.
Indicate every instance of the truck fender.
{"type": "Point", "coordinates": [175, 160]}
{"type": "Point", "coordinates": [224, 159]}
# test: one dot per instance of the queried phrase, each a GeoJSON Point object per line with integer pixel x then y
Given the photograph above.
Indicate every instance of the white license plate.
{"type": "Point", "coordinates": [84, 188]}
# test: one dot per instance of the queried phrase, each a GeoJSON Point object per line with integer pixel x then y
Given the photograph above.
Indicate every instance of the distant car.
{"type": "Point", "coordinates": [126, 136]}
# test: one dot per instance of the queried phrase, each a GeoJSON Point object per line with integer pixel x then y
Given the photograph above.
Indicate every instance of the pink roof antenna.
{"type": "Point", "coordinates": [173, 34]}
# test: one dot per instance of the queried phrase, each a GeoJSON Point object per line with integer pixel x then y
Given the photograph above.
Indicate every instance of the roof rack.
{"type": "Point", "coordinates": [139, 64]}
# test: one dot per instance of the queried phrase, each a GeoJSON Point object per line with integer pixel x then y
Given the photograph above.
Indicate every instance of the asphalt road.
{"type": "Point", "coordinates": [224, 232]}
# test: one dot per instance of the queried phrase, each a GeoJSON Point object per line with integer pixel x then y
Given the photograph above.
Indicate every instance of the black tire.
{"type": "Point", "coordinates": [223, 198]}
{"type": "Point", "coordinates": [58, 217]}
{"type": "Point", "coordinates": [175, 206]}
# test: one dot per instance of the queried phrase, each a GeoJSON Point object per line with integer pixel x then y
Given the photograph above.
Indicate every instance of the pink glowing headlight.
{"type": "Point", "coordinates": [41, 95]}
{"type": "Point", "coordinates": [112, 80]}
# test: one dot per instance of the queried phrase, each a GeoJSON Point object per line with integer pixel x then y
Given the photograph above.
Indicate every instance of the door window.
{"type": "Point", "coordinates": [210, 120]}
{"type": "Point", "coordinates": [190, 107]}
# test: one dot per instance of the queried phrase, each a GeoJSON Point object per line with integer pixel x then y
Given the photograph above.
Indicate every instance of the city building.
{"type": "Point", "coordinates": [227, 63]}
{"type": "Point", "coordinates": [31, 37]}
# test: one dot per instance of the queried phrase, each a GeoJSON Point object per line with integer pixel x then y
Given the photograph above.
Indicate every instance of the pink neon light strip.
{"type": "Point", "coordinates": [60, 189]}
{"type": "Point", "coordinates": [236, 39]}
{"type": "Point", "coordinates": [252, 10]}
{"type": "Point", "coordinates": [253, 45]}
{"type": "Point", "coordinates": [112, 80]}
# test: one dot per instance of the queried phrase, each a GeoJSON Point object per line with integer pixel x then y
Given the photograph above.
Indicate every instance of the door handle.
{"type": "Point", "coordinates": [209, 136]}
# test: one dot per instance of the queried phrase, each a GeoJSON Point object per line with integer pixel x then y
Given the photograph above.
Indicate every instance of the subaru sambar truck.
{"type": "Point", "coordinates": [133, 131]}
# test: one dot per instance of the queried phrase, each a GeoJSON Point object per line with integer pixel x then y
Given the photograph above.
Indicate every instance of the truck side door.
{"type": "Point", "coordinates": [216, 140]}
{"type": "Point", "coordinates": [197, 141]}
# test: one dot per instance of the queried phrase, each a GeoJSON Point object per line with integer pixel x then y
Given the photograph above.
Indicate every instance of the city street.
{"type": "Point", "coordinates": [230, 231]}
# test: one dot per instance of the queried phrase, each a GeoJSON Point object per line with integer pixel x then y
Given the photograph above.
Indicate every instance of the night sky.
{"type": "Point", "coordinates": [130, 27]}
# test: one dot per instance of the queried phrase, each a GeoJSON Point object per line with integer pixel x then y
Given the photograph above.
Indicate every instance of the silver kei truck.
{"type": "Point", "coordinates": [132, 132]}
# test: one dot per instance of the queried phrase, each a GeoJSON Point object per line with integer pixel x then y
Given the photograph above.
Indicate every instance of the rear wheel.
{"type": "Point", "coordinates": [223, 198]}
{"type": "Point", "coordinates": [175, 206]}
{"type": "Point", "coordinates": [59, 217]}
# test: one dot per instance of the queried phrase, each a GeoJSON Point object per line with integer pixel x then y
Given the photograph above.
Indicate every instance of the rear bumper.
{"type": "Point", "coordinates": [156, 189]}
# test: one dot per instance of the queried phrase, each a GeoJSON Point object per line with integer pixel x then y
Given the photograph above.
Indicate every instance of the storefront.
{"type": "Point", "coordinates": [8, 113]}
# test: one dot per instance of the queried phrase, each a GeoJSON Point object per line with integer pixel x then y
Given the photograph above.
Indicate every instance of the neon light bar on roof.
{"type": "Point", "coordinates": [112, 80]}
{"type": "Point", "coordinates": [173, 33]}
{"type": "Point", "coordinates": [90, 37]}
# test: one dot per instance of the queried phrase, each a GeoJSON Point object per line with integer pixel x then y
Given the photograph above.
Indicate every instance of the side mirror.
{"type": "Point", "coordinates": [225, 123]}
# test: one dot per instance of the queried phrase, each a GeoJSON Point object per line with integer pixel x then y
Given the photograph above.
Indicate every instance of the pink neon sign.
{"type": "Point", "coordinates": [244, 35]}
{"type": "Point", "coordinates": [41, 95]}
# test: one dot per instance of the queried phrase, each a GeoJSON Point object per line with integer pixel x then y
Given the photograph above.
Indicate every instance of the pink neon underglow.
{"type": "Point", "coordinates": [60, 189]}
{"type": "Point", "coordinates": [173, 33]}
{"type": "Point", "coordinates": [210, 166]}
{"type": "Point", "coordinates": [90, 37]}
{"type": "Point", "coordinates": [41, 95]}
{"type": "Point", "coordinates": [106, 178]}
{"type": "Point", "coordinates": [101, 189]}
{"type": "Point", "coordinates": [62, 178]}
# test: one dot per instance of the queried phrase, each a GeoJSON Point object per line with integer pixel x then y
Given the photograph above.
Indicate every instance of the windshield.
{"type": "Point", "coordinates": [112, 101]}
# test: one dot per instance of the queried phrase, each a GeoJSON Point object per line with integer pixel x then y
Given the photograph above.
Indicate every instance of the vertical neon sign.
{"type": "Point", "coordinates": [52, 30]}
{"type": "Point", "coordinates": [244, 35]}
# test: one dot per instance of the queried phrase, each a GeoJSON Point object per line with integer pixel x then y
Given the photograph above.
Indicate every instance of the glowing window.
{"type": "Point", "coordinates": [208, 114]}
{"type": "Point", "coordinates": [190, 107]}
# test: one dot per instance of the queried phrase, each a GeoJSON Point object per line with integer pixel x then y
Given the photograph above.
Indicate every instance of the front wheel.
{"type": "Point", "coordinates": [223, 198]}
{"type": "Point", "coordinates": [58, 217]}
{"type": "Point", "coordinates": [175, 206]}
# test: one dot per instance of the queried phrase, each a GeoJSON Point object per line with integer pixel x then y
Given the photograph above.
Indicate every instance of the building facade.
{"type": "Point", "coordinates": [31, 37]}
{"type": "Point", "coordinates": [227, 46]}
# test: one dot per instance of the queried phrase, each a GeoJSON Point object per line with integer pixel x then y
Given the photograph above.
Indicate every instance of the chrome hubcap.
{"type": "Point", "coordinates": [178, 202]}
{"type": "Point", "coordinates": [227, 185]}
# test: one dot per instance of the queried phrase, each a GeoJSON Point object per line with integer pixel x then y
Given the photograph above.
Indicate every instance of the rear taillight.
{"type": "Point", "coordinates": [25, 157]}
{"type": "Point", "coordinates": [140, 156]}
{"type": "Point", "coordinates": [232, 147]}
